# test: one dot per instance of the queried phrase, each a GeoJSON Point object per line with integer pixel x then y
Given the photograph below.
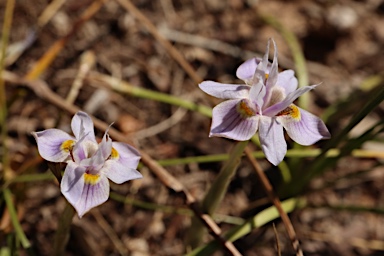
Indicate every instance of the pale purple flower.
{"type": "Point", "coordinates": [264, 104]}
{"type": "Point", "coordinates": [89, 165]}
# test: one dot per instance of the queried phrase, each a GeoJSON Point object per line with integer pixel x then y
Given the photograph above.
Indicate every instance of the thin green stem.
{"type": "Point", "coordinates": [126, 88]}
{"type": "Point", "coordinates": [219, 187]}
{"type": "Point", "coordinates": [216, 192]}
{"type": "Point", "coordinates": [15, 221]}
{"type": "Point", "coordinates": [171, 209]}
{"type": "Point", "coordinates": [62, 232]}
{"type": "Point", "coordinates": [3, 99]}
{"type": "Point", "coordinates": [255, 222]}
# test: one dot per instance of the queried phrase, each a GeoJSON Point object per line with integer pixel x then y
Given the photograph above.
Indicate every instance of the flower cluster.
{"type": "Point", "coordinates": [265, 104]}
{"type": "Point", "coordinates": [89, 164]}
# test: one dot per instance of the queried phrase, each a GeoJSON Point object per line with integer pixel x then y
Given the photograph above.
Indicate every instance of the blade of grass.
{"type": "Point", "coordinates": [255, 222]}
{"type": "Point", "coordinates": [15, 221]}
{"type": "Point", "coordinates": [216, 192]}
{"type": "Point", "coordinates": [126, 88]}
{"type": "Point", "coordinates": [49, 56]}
{"type": "Point", "coordinates": [320, 163]}
{"type": "Point", "coordinates": [3, 98]}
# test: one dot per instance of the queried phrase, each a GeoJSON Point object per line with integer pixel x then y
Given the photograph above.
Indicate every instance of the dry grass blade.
{"type": "Point", "coordinates": [276, 201]}
{"type": "Point", "coordinates": [44, 92]}
{"type": "Point", "coordinates": [165, 43]}
{"type": "Point", "coordinates": [52, 52]}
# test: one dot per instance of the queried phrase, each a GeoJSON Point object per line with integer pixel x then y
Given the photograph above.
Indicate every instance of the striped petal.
{"type": "Point", "coordinates": [95, 192]}
{"type": "Point", "coordinates": [54, 145]}
{"type": "Point", "coordinates": [272, 140]}
{"type": "Point", "coordinates": [304, 127]}
{"type": "Point", "coordinates": [82, 126]}
{"type": "Point", "coordinates": [122, 163]}
{"type": "Point", "coordinates": [287, 80]}
{"type": "Point", "coordinates": [72, 183]}
{"type": "Point", "coordinates": [225, 91]}
{"type": "Point", "coordinates": [229, 122]}
{"type": "Point", "coordinates": [247, 70]}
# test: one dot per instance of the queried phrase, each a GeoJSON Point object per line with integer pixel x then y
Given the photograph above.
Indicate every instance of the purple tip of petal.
{"type": "Point", "coordinates": [307, 131]}
{"type": "Point", "coordinates": [49, 144]}
{"type": "Point", "coordinates": [228, 123]}
{"type": "Point", "coordinates": [225, 91]}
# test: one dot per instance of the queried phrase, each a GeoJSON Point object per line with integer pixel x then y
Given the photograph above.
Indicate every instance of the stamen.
{"type": "Point", "coordinates": [91, 178]}
{"type": "Point", "coordinates": [244, 109]}
{"type": "Point", "coordinates": [291, 111]}
{"type": "Point", "coordinates": [67, 145]}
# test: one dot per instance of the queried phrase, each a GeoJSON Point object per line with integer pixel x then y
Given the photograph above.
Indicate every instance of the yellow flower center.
{"type": "Point", "coordinates": [244, 109]}
{"type": "Point", "coordinates": [91, 178]}
{"type": "Point", "coordinates": [114, 154]}
{"type": "Point", "coordinates": [291, 111]}
{"type": "Point", "coordinates": [67, 145]}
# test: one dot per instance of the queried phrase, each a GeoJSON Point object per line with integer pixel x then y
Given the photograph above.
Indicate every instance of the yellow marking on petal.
{"type": "Point", "coordinates": [114, 154]}
{"type": "Point", "coordinates": [291, 111]}
{"type": "Point", "coordinates": [91, 178]}
{"type": "Point", "coordinates": [266, 76]}
{"type": "Point", "coordinates": [245, 110]}
{"type": "Point", "coordinates": [67, 145]}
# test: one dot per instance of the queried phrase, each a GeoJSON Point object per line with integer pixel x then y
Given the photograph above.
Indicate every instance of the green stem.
{"type": "Point", "coordinates": [216, 192]}
{"type": "Point", "coordinates": [125, 87]}
{"type": "Point", "coordinates": [62, 232]}
{"type": "Point", "coordinates": [15, 222]}
{"type": "Point", "coordinates": [255, 222]}
{"type": "Point", "coordinates": [3, 99]}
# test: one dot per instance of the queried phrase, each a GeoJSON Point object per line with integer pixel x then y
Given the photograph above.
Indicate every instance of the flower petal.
{"type": "Point", "coordinates": [119, 173]}
{"type": "Point", "coordinates": [225, 91]}
{"type": "Point", "coordinates": [122, 164]}
{"type": "Point", "coordinates": [272, 140]}
{"type": "Point", "coordinates": [273, 74]}
{"type": "Point", "coordinates": [82, 125]}
{"type": "Point", "coordinates": [73, 182]}
{"type": "Point", "coordinates": [227, 122]}
{"type": "Point", "coordinates": [51, 144]}
{"type": "Point", "coordinates": [306, 130]}
{"type": "Point", "coordinates": [263, 68]}
{"type": "Point", "coordinates": [246, 70]}
{"type": "Point", "coordinates": [93, 195]}
{"type": "Point", "coordinates": [127, 155]}
{"type": "Point", "coordinates": [275, 109]}
{"type": "Point", "coordinates": [257, 93]}
{"type": "Point", "coordinates": [287, 80]}
{"type": "Point", "coordinates": [95, 163]}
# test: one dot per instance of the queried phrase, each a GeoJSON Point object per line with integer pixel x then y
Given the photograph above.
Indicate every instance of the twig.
{"type": "Point", "coordinates": [52, 52]}
{"type": "Point", "coordinates": [87, 61]}
{"type": "Point", "coordinates": [44, 92]}
{"type": "Point", "coordinates": [110, 232]}
{"type": "Point", "coordinates": [127, 4]}
{"type": "Point", "coordinates": [276, 201]}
